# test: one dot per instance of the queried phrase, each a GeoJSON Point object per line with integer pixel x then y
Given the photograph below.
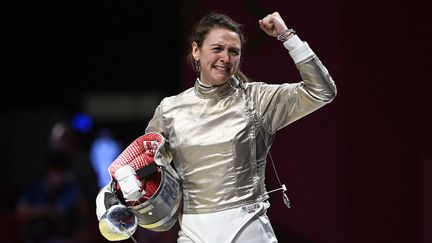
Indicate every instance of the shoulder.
{"type": "Point", "coordinates": [176, 99]}
{"type": "Point", "coordinates": [256, 86]}
{"type": "Point", "coordinates": [262, 86]}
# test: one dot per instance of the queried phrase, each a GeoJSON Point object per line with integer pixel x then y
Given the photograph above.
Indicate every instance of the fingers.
{"type": "Point", "coordinates": [272, 24]}
{"type": "Point", "coordinates": [266, 25]}
{"type": "Point", "coordinates": [267, 21]}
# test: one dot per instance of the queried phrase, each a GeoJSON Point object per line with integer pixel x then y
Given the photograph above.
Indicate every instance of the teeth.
{"type": "Point", "coordinates": [221, 68]}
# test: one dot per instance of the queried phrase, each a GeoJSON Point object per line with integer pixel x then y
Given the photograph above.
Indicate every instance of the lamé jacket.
{"type": "Point", "coordinates": [220, 136]}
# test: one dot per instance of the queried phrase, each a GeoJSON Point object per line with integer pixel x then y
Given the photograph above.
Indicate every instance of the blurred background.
{"type": "Point", "coordinates": [81, 79]}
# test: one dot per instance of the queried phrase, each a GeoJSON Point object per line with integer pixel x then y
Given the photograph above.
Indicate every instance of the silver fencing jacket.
{"type": "Point", "coordinates": [220, 136]}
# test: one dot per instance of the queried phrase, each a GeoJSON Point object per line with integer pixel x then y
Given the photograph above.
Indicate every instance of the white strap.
{"type": "Point", "coordinates": [129, 184]}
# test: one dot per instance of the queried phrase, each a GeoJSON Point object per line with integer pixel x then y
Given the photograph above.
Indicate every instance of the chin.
{"type": "Point", "coordinates": [221, 82]}
{"type": "Point", "coordinates": [222, 79]}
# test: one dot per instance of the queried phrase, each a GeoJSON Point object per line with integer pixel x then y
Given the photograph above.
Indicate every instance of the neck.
{"type": "Point", "coordinates": [203, 84]}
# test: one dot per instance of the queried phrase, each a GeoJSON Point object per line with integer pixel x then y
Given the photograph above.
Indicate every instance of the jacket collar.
{"type": "Point", "coordinates": [207, 92]}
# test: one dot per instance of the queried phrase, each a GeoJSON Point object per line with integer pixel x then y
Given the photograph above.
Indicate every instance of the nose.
{"type": "Point", "coordinates": [225, 57]}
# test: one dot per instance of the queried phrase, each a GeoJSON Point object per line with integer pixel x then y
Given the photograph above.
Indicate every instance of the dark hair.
{"type": "Point", "coordinates": [203, 27]}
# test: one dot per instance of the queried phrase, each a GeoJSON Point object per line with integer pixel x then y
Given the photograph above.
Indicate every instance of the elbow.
{"type": "Point", "coordinates": [325, 94]}
{"type": "Point", "coordinates": [332, 93]}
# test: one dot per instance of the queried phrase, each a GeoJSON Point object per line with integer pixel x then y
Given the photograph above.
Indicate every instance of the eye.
{"type": "Point", "coordinates": [217, 49]}
{"type": "Point", "coordinates": [234, 52]}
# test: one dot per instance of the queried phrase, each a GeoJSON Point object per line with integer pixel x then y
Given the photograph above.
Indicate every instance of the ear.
{"type": "Point", "coordinates": [195, 51]}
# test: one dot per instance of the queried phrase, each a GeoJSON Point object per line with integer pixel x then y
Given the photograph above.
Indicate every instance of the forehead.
{"type": "Point", "coordinates": [222, 36]}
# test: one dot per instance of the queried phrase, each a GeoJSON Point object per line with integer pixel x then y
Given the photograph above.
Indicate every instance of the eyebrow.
{"type": "Point", "coordinates": [230, 47]}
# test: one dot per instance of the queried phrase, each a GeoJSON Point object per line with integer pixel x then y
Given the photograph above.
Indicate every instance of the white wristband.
{"type": "Point", "coordinates": [292, 43]}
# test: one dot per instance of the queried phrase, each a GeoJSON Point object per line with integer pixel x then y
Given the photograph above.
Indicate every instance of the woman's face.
{"type": "Point", "coordinates": [219, 56]}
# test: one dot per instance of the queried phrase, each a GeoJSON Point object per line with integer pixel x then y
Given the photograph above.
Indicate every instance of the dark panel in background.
{"type": "Point", "coordinates": [57, 50]}
{"type": "Point", "coordinates": [61, 58]}
{"type": "Point", "coordinates": [58, 55]}
{"type": "Point", "coordinates": [388, 128]}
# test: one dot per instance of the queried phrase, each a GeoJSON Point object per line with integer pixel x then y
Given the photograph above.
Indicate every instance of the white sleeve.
{"type": "Point", "coordinates": [298, 49]}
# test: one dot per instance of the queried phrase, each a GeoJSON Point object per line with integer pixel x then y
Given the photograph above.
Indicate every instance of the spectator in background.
{"type": "Point", "coordinates": [51, 208]}
{"type": "Point", "coordinates": [65, 139]}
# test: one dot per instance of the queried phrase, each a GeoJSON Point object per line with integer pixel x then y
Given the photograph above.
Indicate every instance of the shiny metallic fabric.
{"type": "Point", "coordinates": [220, 136]}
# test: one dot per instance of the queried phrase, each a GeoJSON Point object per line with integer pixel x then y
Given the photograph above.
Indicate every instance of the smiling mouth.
{"type": "Point", "coordinates": [222, 68]}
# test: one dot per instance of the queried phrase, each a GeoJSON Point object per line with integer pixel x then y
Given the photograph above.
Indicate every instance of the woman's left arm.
{"type": "Point", "coordinates": [280, 105]}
